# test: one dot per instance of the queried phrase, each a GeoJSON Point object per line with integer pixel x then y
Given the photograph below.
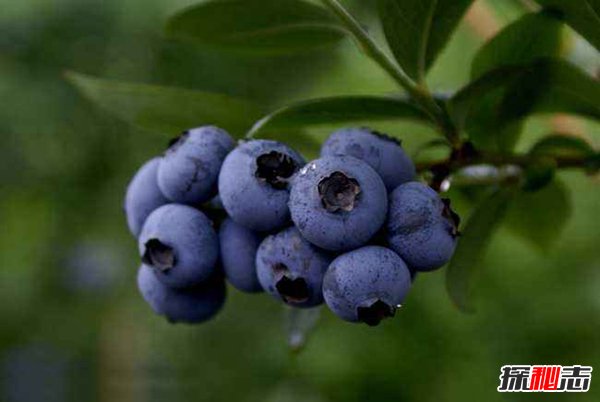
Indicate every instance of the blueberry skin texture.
{"type": "Point", "coordinates": [249, 200]}
{"type": "Point", "coordinates": [382, 153]}
{"type": "Point", "coordinates": [418, 228]}
{"type": "Point", "coordinates": [340, 230]}
{"type": "Point", "coordinates": [287, 254]}
{"type": "Point", "coordinates": [360, 278]}
{"type": "Point", "coordinates": [238, 255]}
{"type": "Point", "coordinates": [190, 167]}
{"type": "Point", "coordinates": [191, 305]}
{"type": "Point", "coordinates": [143, 196]}
{"type": "Point", "coordinates": [188, 237]}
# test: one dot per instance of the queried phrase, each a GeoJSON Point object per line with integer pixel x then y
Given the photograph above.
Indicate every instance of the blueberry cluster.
{"type": "Point", "coordinates": [349, 229]}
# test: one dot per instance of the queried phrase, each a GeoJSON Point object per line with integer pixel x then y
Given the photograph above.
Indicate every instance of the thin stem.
{"type": "Point", "coordinates": [418, 93]}
{"type": "Point", "coordinates": [497, 160]}
{"type": "Point", "coordinates": [370, 47]}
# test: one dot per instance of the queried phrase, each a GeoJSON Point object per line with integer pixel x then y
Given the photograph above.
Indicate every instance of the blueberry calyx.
{"type": "Point", "coordinates": [375, 312]}
{"type": "Point", "coordinates": [158, 255]}
{"type": "Point", "coordinates": [339, 192]}
{"type": "Point", "coordinates": [178, 141]}
{"type": "Point", "coordinates": [275, 168]}
{"type": "Point", "coordinates": [292, 290]}
{"type": "Point", "coordinates": [451, 217]}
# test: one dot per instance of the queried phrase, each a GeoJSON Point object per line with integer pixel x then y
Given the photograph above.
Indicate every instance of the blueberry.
{"type": "Point", "coordinates": [190, 167]}
{"type": "Point", "coordinates": [181, 245]}
{"type": "Point", "coordinates": [291, 269]}
{"type": "Point", "coordinates": [381, 152]}
{"type": "Point", "coordinates": [422, 228]}
{"type": "Point", "coordinates": [338, 203]}
{"type": "Point", "coordinates": [253, 184]}
{"type": "Point", "coordinates": [190, 305]}
{"type": "Point", "coordinates": [143, 196]}
{"type": "Point", "coordinates": [366, 285]}
{"type": "Point", "coordinates": [238, 255]}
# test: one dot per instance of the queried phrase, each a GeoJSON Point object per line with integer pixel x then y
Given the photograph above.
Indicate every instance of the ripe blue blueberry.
{"type": "Point", "coordinates": [366, 285]}
{"type": "Point", "coordinates": [143, 196]}
{"type": "Point", "coordinates": [190, 305]}
{"type": "Point", "coordinates": [253, 184]}
{"type": "Point", "coordinates": [383, 153]}
{"type": "Point", "coordinates": [190, 167]}
{"type": "Point", "coordinates": [291, 269]}
{"type": "Point", "coordinates": [421, 226]}
{"type": "Point", "coordinates": [238, 255]}
{"type": "Point", "coordinates": [181, 245]}
{"type": "Point", "coordinates": [338, 202]}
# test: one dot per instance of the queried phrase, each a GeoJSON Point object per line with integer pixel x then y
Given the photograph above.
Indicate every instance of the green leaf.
{"type": "Point", "coordinates": [531, 37]}
{"type": "Point", "coordinates": [338, 110]}
{"type": "Point", "coordinates": [582, 15]}
{"type": "Point", "coordinates": [468, 257]}
{"type": "Point", "coordinates": [562, 146]}
{"type": "Point", "coordinates": [468, 98]}
{"type": "Point", "coordinates": [543, 86]}
{"type": "Point", "coordinates": [540, 217]}
{"type": "Point", "coordinates": [166, 109]}
{"type": "Point", "coordinates": [551, 86]}
{"type": "Point", "coordinates": [592, 163]}
{"type": "Point", "coordinates": [265, 26]}
{"type": "Point", "coordinates": [418, 30]}
{"type": "Point", "coordinates": [539, 173]}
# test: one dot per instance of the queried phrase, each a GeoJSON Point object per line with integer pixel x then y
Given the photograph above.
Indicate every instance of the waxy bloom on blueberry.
{"type": "Point", "coordinates": [254, 184]}
{"type": "Point", "coordinates": [238, 255]}
{"type": "Point", "coordinates": [181, 245]}
{"type": "Point", "coordinates": [291, 269]}
{"type": "Point", "coordinates": [383, 153]}
{"type": "Point", "coordinates": [190, 305]}
{"type": "Point", "coordinates": [190, 168]}
{"type": "Point", "coordinates": [366, 285]}
{"type": "Point", "coordinates": [338, 203]}
{"type": "Point", "coordinates": [143, 196]}
{"type": "Point", "coordinates": [421, 226]}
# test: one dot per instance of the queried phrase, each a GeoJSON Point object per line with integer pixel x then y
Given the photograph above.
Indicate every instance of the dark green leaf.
{"type": "Point", "coordinates": [468, 257]}
{"type": "Point", "coordinates": [582, 15]}
{"type": "Point", "coordinates": [485, 130]}
{"type": "Point", "coordinates": [266, 26]}
{"type": "Point", "coordinates": [540, 217]}
{"type": "Point", "coordinates": [166, 109]}
{"type": "Point", "coordinates": [562, 146]}
{"type": "Point", "coordinates": [539, 173]}
{"type": "Point", "coordinates": [592, 163]}
{"type": "Point", "coordinates": [418, 30]}
{"type": "Point", "coordinates": [531, 37]}
{"type": "Point", "coordinates": [338, 110]}
{"type": "Point", "coordinates": [469, 97]}
{"type": "Point", "coordinates": [544, 86]}
{"type": "Point", "coordinates": [551, 86]}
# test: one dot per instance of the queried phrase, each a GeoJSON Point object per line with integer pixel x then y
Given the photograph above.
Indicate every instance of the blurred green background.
{"type": "Point", "coordinates": [73, 327]}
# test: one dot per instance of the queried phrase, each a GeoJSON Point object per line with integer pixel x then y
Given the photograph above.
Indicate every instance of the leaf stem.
{"type": "Point", "coordinates": [370, 48]}
{"type": "Point", "coordinates": [420, 94]}
{"type": "Point", "coordinates": [498, 160]}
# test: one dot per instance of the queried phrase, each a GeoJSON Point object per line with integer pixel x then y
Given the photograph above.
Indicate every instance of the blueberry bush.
{"type": "Point", "coordinates": [364, 192]}
{"type": "Point", "coordinates": [94, 90]}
